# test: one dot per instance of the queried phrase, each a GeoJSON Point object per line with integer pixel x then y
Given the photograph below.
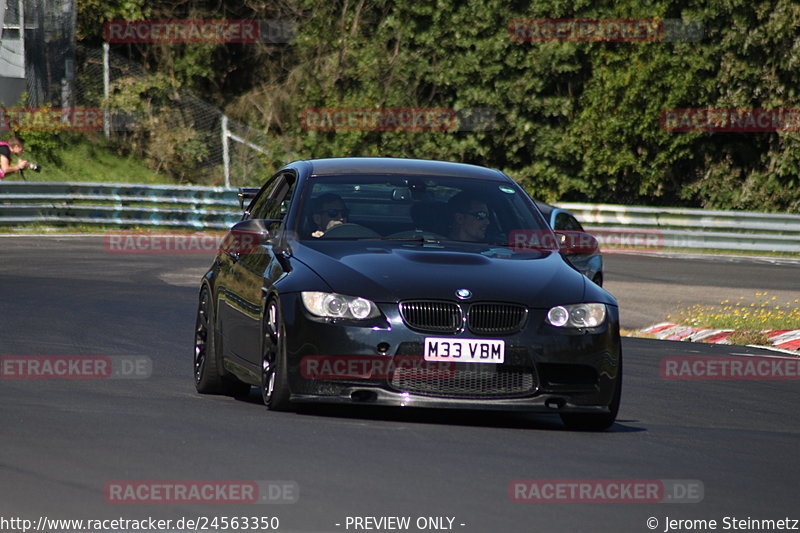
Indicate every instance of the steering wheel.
{"type": "Point", "coordinates": [350, 231]}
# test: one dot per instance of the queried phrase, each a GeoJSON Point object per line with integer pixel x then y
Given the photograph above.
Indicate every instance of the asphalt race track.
{"type": "Point", "coordinates": [63, 441]}
{"type": "Point", "coordinates": [650, 287]}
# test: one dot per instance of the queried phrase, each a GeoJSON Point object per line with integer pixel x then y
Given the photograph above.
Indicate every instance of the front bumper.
{"type": "Point", "coordinates": [547, 369]}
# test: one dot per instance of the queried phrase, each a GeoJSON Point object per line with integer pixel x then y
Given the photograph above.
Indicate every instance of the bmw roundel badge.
{"type": "Point", "coordinates": [464, 294]}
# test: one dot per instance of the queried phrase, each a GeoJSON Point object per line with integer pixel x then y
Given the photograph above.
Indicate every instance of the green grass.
{"type": "Point", "coordinates": [764, 314]}
{"type": "Point", "coordinates": [89, 159]}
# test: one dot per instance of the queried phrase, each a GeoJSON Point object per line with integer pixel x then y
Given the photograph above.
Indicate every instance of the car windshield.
{"type": "Point", "coordinates": [415, 208]}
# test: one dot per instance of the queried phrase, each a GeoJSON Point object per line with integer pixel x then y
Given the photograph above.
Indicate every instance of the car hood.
{"type": "Point", "coordinates": [388, 272]}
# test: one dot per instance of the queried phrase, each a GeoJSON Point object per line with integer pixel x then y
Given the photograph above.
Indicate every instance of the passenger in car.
{"type": "Point", "coordinates": [469, 217]}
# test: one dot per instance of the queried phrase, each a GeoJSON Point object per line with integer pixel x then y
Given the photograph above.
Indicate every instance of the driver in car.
{"type": "Point", "coordinates": [329, 210]}
{"type": "Point", "coordinates": [470, 217]}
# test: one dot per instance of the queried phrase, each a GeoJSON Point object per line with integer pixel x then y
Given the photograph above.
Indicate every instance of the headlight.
{"type": "Point", "coordinates": [577, 315]}
{"type": "Point", "coordinates": [332, 305]}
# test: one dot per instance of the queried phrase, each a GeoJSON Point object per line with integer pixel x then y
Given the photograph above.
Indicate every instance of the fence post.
{"type": "Point", "coordinates": [226, 156]}
{"type": "Point", "coordinates": [106, 90]}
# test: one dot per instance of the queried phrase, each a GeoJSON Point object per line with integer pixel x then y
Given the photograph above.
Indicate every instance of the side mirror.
{"type": "Point", "coordinates": [576, 242]}
{"type": "Point", "coordinates": [246, 236]}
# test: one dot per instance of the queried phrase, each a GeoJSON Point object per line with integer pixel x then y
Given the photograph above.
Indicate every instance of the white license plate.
{"type": "Point", "coordinates": [464, 350]}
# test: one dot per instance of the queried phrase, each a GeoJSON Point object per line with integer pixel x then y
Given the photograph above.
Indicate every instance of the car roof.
{"type": "Point", "coordinates": [546, 209]}
{"type": "Point", "coordinates": [391, 165]}
{"type": "Point", "coordinates": [551, 210]}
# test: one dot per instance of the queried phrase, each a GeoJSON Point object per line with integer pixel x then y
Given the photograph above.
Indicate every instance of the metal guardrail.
{"type": "Point", "coordinates": [619, 226]}
{"type": "Point", "coordinates": [197, 207]}
{"type": "Point", "coordinates": [117, 204]}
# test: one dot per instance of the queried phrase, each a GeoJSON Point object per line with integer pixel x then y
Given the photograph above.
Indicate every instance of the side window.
{"type": "Point", "coordinates": [566, 221]}
{"type": "Point", "coordinates": [575, 225]}
{"type": "Point", "coordinates": [273, 201]}
{"type": "Point", "coordinates": [257, 205]}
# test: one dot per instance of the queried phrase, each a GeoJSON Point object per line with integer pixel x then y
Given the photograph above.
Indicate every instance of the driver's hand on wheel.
{"type": "Point", "coordinates": [332, 224]}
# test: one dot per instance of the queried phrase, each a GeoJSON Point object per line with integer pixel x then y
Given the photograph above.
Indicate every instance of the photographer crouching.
{"type": "Point", "coordinates": [14, 147]}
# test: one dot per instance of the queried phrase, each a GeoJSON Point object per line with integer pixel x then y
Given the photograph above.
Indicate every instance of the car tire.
{"type": "Point", "coordinates": [597, 422]}
{"type": "Point", "coordinates": [207, 376]}
{"type": "Point", "coordinates": [274, 373]}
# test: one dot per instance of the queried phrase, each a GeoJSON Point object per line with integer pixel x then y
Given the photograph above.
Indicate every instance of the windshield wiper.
{"type": "Point", "coordinates": [417, 238]}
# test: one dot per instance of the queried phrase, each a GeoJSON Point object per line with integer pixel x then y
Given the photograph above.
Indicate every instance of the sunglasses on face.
{"type": "Point", "coordinates": [334, 213]}
{"type": "Point", "coordinates": [480, 215]}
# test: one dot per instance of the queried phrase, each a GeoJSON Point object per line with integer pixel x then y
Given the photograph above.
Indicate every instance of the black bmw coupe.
{"type": "Point", "coordinates": [405, 282]}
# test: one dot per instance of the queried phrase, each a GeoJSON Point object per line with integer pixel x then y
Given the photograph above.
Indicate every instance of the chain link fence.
{"type": "Point", "coordinates": [37, 47]}
{"type": "Point", "coordinates": [174, 131]}
{"type": "Point", "coordinates": [179, 133]}
{"type": "Point", "coordinates": [36, 52]}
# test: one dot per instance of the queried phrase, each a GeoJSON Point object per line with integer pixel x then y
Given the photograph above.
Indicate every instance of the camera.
{"type": "Point", "coordinates": [34, 167]}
